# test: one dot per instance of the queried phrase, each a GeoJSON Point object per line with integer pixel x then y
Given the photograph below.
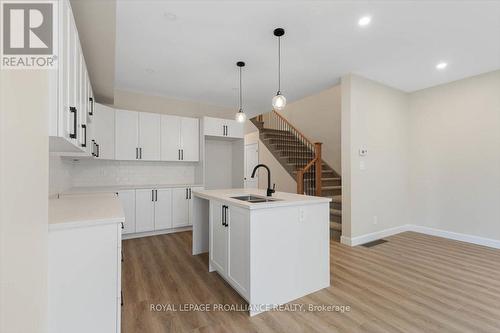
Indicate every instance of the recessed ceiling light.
{"type": "Point", "coordinates": [364, 21]}
{"type": "Point", "coordinates": [441, 65]}
{"type": "Point", "coordinates": [170, 16]}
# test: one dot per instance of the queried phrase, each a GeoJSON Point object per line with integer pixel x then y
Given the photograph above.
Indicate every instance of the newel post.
{"type": "Point", "coordinates": [300, 181]}
{"type": "Point", "coordinates": [319, 167]}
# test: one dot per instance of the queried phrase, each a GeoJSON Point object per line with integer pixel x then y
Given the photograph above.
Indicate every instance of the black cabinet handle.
{"type": "Point", "coordinates": [152, 195]}
{"type": "Point", "coordinates": [122, 225]}
{"type": "Point", "coordinates": [93, 148]}
{"type": "Point", "coordinates": [140, 153]}
{"type": "Point", "coordinates": [97, 150]}
{"type": "Point", "coordinates": [223, 212]}
{"type": "Point", "coordinates": [156, 195]}
{"type": "Point", "coordinates": [91, 109]}
{"type": "Point", "coordinates": [73, 110]}
{"type": "Point", "coordinates": [122, 256]}
{"type": "Point", "coordinates": [121, 298]}
{"type": "Point", "coordinates": [189, 193]}
{"type": "Point", "coordinates": [182, 154]}
{"type": "Point", "coordinates": [84, 144]}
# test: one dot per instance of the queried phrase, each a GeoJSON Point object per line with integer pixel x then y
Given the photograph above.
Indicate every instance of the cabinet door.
{"type": "Point", "coordinates": [127, 199]}
{"type": "Point", "coordinates": [213, 126]}
{"type": "Point", "coordinates": [163, 209]}
{"type": "Point", "coordinates": [72, 124]}
{"type": "Point", "coordinates": [170, 138]}
{"type": "Point", "coordinates": [126, 134]}
{"type": "Point", "coordinates": [180, 207]}
{"type": "Point", "coordinates": [103, 127]}
{"type": "Point", "coordinates": [238, 261]}
{"type": "Point", "coordinates": [144, 210]}
{"type": "Point", "coordinates": [190, 196]}
{"type": "Point", "coordinates": [234, 129]}
{"type": "Point", "coordinates": [149, 136]}
{"type": "Point", "coordinates": [190, 139]}
{"type": "Point", "coordinates": [218, 238]}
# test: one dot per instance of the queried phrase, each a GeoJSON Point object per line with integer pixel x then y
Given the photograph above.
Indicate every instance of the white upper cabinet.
{"type": "Point", "coordinates": [190, 139]}
{"type": "Point", "coordinates": [126, 135]}
{"type": "Point", "coordinates": [149, 136]}
{"type": "Point", "coordinates": [222, 128]}
{"type": "Point", "coordinates": [179, 139]}
{"type": "Point", "coordinates": [170, 138]}
{"type": "Point", "coordinates": [137, 136]}
{"type": "Point", "coordinates": [103, 130]}
{"type": "Point", "coordinates": [69, 89]}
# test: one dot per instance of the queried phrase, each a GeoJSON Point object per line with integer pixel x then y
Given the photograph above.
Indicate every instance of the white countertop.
{"type": "Point", "coordinates": [84, 210]}
{"type": "Point", "coordinates": [284, 199]}
{"type": "Point", "coordinates": [116, 188]}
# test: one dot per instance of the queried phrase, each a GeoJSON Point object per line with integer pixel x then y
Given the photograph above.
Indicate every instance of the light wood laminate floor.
{"type": "Point", "coordinates": [412, 283]}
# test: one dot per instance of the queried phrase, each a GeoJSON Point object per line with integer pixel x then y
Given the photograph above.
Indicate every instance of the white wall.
{"type": "Point", "coordinates": [375, 193]}
{"type": "Point", "coordinates": [455, 156]}
{"type": "Point", "coordinates": [318, 117]}
{"type": "Point", "coordinates": [23, 200]}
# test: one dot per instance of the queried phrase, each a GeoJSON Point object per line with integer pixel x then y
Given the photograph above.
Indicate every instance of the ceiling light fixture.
{"type": "Point", "coordinates": [364, 21]}
{"type": "Point", "coordinates": [279, 101]}
{"type": "Point", "coordinates": [441, 66]}
{"type": "Point", "coordinates": [240, 115]}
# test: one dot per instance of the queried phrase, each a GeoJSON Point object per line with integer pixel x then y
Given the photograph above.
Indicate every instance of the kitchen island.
{"type": "Point", "coordinates": [271, 250]}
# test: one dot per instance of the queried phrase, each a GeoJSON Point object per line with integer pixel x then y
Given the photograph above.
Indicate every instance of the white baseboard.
{"type": "Point", "coordinates": [489, 242]}
{"type": "Point", "coordinates": [155, 233]}
{"type": "Point", "coordinates": [354, 241]}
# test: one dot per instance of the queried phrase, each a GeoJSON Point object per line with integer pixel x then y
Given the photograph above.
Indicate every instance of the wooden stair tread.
{"type": "Point", "coordinates": [336, 199]}
{"type": "Point", "coordinates": [334, 211]}
{"type": "Point", "coordinates": [335, 226]}
{"type": "Point", "coordinates": [333, 187]}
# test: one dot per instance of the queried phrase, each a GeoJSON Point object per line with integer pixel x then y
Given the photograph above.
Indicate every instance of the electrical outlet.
{"type": "Point", "coordinates": [375, 219]}
{"type": "Point", "coordinates": [302, 215]}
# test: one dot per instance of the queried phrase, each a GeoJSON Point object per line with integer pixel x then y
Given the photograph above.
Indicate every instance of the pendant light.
{"type": "Point", "coordinates": [240, 115]}
{"type": "Point", "coordinates": [279, 101]}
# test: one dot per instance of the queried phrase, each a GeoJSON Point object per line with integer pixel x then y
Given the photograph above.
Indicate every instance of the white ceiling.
{"type": "Point", "coordinates": [188, 49]}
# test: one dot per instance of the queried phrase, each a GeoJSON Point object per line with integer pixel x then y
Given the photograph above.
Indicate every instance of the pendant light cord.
{"type": "Point", "coordinates": [241, 99]}
{"type": "Point", "coordinates": [279, 65]}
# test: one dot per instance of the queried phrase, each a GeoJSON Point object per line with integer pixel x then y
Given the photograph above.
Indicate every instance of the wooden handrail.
{"type": "Point", "coordinates": [293, 127]}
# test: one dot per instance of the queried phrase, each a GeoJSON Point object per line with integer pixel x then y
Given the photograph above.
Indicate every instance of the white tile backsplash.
{"type": "Point", "coordinates": [59, 174]}
{"type": "Point", "coordinates": [109, 173]}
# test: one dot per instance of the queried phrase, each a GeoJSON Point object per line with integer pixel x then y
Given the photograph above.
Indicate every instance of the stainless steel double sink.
{"type": "Point", "coordinates": [254, 199]}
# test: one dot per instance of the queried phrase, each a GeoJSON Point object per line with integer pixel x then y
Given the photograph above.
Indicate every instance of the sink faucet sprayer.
{"type": "Point", "coordinates": [270, 190]}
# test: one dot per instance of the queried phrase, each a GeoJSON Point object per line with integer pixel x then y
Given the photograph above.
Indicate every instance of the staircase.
{"type": "Point", "coordinates": [302, 160]}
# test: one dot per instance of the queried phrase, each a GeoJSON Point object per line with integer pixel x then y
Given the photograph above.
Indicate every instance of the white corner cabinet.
{"type": "Point", "coordinates": [227, 128]}
{"type": "Point", "coordinates": [71, 99]}
{"type": "Point", "coordinates": [157, 209]}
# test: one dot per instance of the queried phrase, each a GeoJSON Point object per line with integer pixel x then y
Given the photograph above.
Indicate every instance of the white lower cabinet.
{"type": "Point", "coordinates": [163, 208]}
{"type": "Point", "coordinates": [144, 210]}
{"type": "Point", "coordinates": [127, 198]}
{"type": "Point", "coordinates": [156, 209]}
{"type": "Point", "coordinates": [230, 245]}
{"type": "Point", "coordinates": [180, 202]}
{"type": "Point", "coordinates": [84, 279]}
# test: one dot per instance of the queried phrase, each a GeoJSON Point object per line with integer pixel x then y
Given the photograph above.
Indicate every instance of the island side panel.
{"type": "Point", "coordinates": [200, 225]}
{"type": "Point", "coordinates": [290, 255]}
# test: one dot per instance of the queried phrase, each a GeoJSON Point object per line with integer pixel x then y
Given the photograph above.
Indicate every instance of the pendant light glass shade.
{"type": "Point", "coordinates": [240, 116]}
{"type": "Point", "coordinates": [279, 101]}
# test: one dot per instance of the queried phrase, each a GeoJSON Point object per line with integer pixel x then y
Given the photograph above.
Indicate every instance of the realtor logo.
{"type": "Point", "coordinates": [28, 34]}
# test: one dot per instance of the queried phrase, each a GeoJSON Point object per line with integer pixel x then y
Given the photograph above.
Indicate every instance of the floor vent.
{"type": "Point", "coordinates": [374, 243]}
